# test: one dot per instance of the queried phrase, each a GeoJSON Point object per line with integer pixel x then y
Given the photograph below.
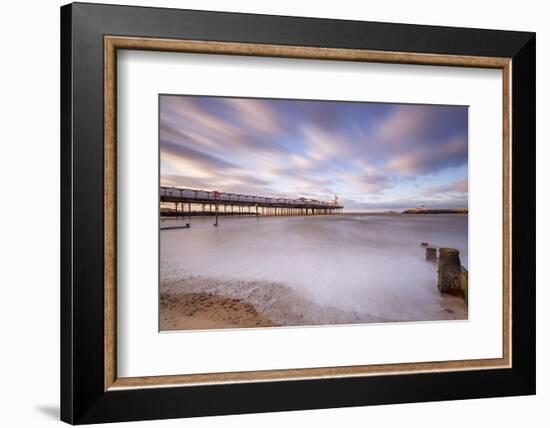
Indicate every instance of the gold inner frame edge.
{"type": "Point", "coordinates": [113, 43]}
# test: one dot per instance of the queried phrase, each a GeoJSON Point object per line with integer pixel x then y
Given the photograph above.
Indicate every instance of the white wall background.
{"type": "Point", "coordinates": [29, 228]}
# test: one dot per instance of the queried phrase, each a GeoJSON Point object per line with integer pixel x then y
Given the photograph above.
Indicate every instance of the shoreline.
{"type": "Point", "coordinates": [199, 303]}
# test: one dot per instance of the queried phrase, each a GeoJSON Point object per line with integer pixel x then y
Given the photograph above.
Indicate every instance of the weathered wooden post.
{"type": "Point", "coordinates": [450, 272]}
{"type": "Point", "coordinates": [431, 254]}
{"type": "Point", "coordinates": [464, 284]}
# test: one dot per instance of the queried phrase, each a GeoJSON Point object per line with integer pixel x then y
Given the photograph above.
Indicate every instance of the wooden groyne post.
{"type": "Point", "coordinates": [452, 278]}
{"type": "Point", "coordinates": [431, 254]}
{"type": "Point", "coordinates": [449, 272]}
{"type": "Point", "coordinates": [464, 284]}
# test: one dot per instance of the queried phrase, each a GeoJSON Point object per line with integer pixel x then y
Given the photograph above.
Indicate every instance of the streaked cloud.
{"type": "Point", "coordinates": [458, 187]}
{"type": "Point", "coordinates": [257, 114]}
{"type": "Point", "coordinates": [370, 154]}
{"type": "Point", "coordinates": [431, 158]}
{"type": "Point", "coordinates": [187, 154]}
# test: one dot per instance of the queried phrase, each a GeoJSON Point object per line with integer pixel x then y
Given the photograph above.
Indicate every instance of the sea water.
{"type": "Point", "coordinates": [371, 265]}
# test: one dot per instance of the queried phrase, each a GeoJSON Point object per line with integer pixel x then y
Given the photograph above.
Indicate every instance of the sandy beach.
{"type": "Point", "coordinates": [197, 311]}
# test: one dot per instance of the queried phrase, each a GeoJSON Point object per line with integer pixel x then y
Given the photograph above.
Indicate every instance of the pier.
{"type": "Point", "coordinates": [192, 202]}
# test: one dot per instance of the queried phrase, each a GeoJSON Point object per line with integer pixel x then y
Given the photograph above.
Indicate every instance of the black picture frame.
{"type": "Point", "coordinates": [83, 398]}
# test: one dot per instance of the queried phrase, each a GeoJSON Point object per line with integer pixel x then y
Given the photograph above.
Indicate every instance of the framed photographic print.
{"type": "Point", "coordinates": [264, 213]}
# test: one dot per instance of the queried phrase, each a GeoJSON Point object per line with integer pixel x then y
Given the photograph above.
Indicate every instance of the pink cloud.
{"type": "Point", "coordinates": [460, 186]}
{"type": "Point", "coordinates": [429, 158]}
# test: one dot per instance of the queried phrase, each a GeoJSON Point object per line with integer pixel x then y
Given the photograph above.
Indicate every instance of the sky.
{"type": "Point", "coordinates": [371, 155]}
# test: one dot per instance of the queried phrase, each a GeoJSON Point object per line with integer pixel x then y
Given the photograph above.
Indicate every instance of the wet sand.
{"type": "Point", "coordinates": [197, 311]}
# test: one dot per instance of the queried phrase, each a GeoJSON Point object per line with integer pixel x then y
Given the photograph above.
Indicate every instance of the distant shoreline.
{"type": "Point", "coordinates": [435, 211]}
